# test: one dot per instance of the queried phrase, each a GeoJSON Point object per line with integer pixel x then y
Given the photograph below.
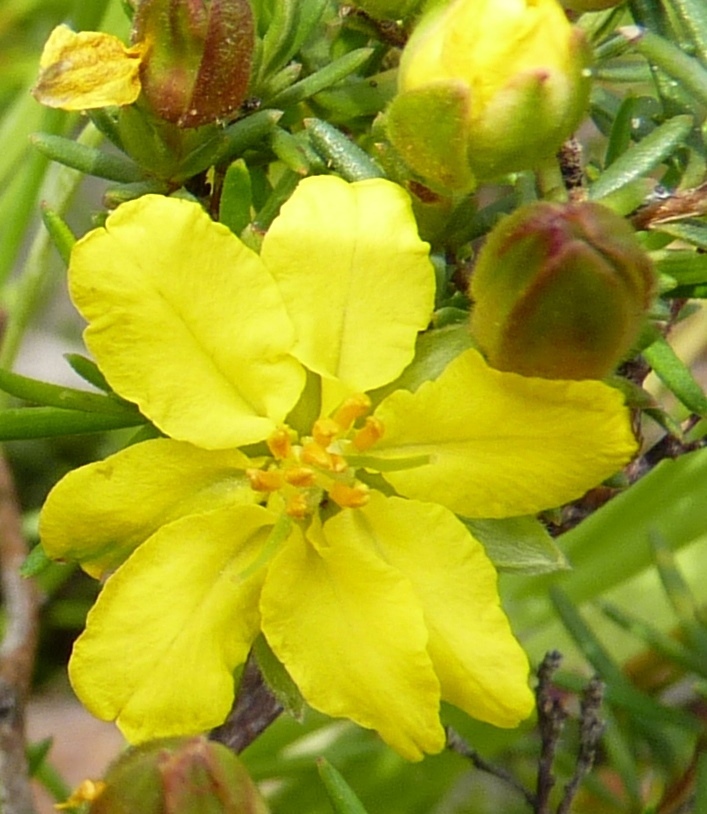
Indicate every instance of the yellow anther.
{"type": "Point", "coordinates": [367, 436]}
{"type": "Point", "coordinates": [298, 506]}
{"type": "Point", "coordinates": [349, 497]}
{"type": "Point", "coordinates": [265, 480]}
{"type": "Point", "coordinates": [353, 407]}
{"type": "Point", "coordinates": [300, 476]}
{"type": "Point", "coordinates": [280, 444]}
{"type": "Point", "coordinates": [314, 454]}
{"type": "Point", "coordinates": [86, 792]}
{"type": "Point", "coordinates": [338, 463]}
{"type": "Point", "coordinates": [325, 430]}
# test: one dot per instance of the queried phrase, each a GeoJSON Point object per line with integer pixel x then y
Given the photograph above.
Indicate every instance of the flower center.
{"type": "Point", "coordinates": [306, 471]}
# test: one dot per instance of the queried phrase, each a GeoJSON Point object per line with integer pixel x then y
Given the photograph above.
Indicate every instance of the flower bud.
{"type": "Point", "coordinates": [487, 88]}
{"type": "Point", "coordinates": [178, 776]}
{"type": "Point", "coordinates": [560, 291]}
{"type": "Point", "coordinates": [198, 57]}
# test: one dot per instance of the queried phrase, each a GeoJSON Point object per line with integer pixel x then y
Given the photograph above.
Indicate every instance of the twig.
{"type": "Point", "coordinates": [591, 730]}
{"type": "Point", "coordinates": [456, 743]}
{"type": "Point", "coordinates": [551, 720]}
{"type": "Point", "coordinates": [16, 652]}
{"type": "Point", "coordinates": [254, 709]}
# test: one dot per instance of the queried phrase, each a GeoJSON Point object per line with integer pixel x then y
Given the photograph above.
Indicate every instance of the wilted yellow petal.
{"type": "Point", "coordinates": [500, 444]}
{"type": "Point", "coordinates": [356, 278]}
{"type": "Point", "coordinates": [97, 514]}
{"type": "Point", "coordinates": [185, 321]}
{"type": "Point", "coordinates": [481, 667]}
{"type": "Point", "coordinates": [87, 70]}
{"type": "Point", "coordinates": [350, 631]}
{"type": "Point", "coordinates": [172, 624]}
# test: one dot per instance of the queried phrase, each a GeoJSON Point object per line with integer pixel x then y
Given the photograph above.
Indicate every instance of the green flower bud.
{"type": "Point", "coordinates": [178, 776]}
{"type": "Point", "coordinates": [560, 291]}
{"type": "Point", "coordinates": [487, 87]}
{"type": "Point", "coordinates": [198, 56]}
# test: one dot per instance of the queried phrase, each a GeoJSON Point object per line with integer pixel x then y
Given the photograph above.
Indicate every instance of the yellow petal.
{"type": "Point", "coordinates": [350, 632]}
{"type": "Point", "coordinates": [87, 70]}
{"type": "Point", "coordinates": [480, 665]}
{"type": "Point", "coordinates": [99, 513]}
{"type": "Point", "coordinates": [355, 276]}
{"type": "Point", "coordinates": [172, 624]}
{"type": "Point", "coordinates": [500, 444]}
{"type": "Point", "coordinates": [185, 321]}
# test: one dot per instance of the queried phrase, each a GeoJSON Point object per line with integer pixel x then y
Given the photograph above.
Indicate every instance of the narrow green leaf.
{"type": "Point", "coordinates": [678, 592]}
{"type": "Point", "coordinates": [68, 398]}
{"type": "Point", "coordinates": [665, 645]}
{"type": "Point", "coordinates": [48, 422]}
{"type": "Point", "coordinates": [613, 544]}
{"type": "Point", "coordinates": [693, 15]}
{"type": "Point", "coordinates": [279, 680]}
{"type": "Point", "coordinates": [290, 151]}
{"type": "Point", "coordinates": [676, 375]}
{"type": "Point", "coordinates": [647, 712]}
{"type": "Point", "coordinates": [88, 160]}
{"type": "Point", "coordinates": [59, 231]}
{"type": "Point", "coordinates": [324, 78]}
{"type": "Point", "coordinates": [279, 37]}
{"type": "Point", "coordinates": [643, 157]}
{"type": "Point", "coordinates": [344, 156]}
{"type": "Point", "coordinates": [684, 69]}
{"type": "Point", "coordinates": [340, 794]}
{"type": "Point", "coordinates": [621, 131]}
{"type": "Point", "coordinates": [518, 545]}
{"type": "Point", "coordinates": [684, 266]}
{"type": "Point", "coordinates": [35, 562]}
{"type": "Point", "coordinates": [691, 230]}
{"type": "Point", "coordinates": [88, 370]}
{"type": "Point", "coordinates": [236, 197]}
{"type": "Point", "coordinates": [246, 133]}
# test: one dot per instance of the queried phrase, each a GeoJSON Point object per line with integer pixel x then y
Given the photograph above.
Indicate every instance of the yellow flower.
{"type": "Point", "coordinates": [488, 87]}
{"type": "Point", "coordinates": [332, 531]}
{"type": "Point", "coordinates": [87, 70]}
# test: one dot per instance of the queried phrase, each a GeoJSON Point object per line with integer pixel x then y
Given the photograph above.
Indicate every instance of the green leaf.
{"type": "Point", "coordinates": [614, 543]}
{"type": "Point", "coordinates": [340, 794]}
{"type": "Point", "coordinates": [88, 160]}
{"type": "Point", "coordinates": [48, 422]}
{"type": "Point", "coordinates": [620, 691]}
{"type": "Point", "coordinates": [53, 395]}
{"type": "Point", "coordinates": [88, 370]}
{"type": "Point", "coordinates": [690, 230]}
{"type": "Point", "coordinates": [518, 545]}
{"type": "Point", "coordinates": [340, 152]}
{"type": "Point", "coordinates": [676, 375]}
{"type": "Point", "coordinates": [684, 69]}
{"type": "Point", "coordinates": [246, 133]}
{"type": "Point", "coordinates": [693, 15]}
{"type": "Point", "coordinates": [324, 78]}
{"type": "Point", "coordinates": [236, 197]}
{"type": "Point", "coordinates": [279, 680]}
{"type": "Point", "coordinates": [35, 562]}
{"type": "Point", "coordinates": [59, 231]}
{"type": "Point", "coordinates": [643, 157]}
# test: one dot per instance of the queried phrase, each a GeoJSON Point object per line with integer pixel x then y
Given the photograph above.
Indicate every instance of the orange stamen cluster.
{"type": "Point", "coordinates": [305, 473]}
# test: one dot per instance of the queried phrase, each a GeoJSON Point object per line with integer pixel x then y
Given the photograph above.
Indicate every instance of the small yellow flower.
{"type": "Point", "coordinates": [332, 530]}
{"type": "Point", "coordinates": [87, 70]}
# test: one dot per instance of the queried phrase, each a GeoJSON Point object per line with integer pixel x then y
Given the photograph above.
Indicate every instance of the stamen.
{"type": "Point", "coordinates": [367, 436]}
{"type": "Point", "coordinates": [298, 506]}
{"type": "Point", "coordinates": [349, 497]}
{"type": "Point", "coordinates": [353, 407]}
{"type": "Point", "coordinates": [325, 430]}
{"type": "Point", "coordinates": [265, 481]}
{"type": "Point", "coordinates": [300, 476]}
{"type": "Point", "coordinates": [280, 444]}
{"type": "Point", "coordinates": [315, 455]}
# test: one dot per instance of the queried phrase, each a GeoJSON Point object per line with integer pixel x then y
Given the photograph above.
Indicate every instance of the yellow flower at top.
{"type": "Point", "coordinates": [280, 501]}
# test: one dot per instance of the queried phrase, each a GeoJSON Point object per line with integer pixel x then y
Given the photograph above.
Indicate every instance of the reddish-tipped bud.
{"type": "Point", "coordinates": [178, 776]}
{"type": "Point", "coordinates": [198, 56]}
{"type": "Point", "coordinates": [560, 291]}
